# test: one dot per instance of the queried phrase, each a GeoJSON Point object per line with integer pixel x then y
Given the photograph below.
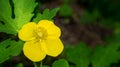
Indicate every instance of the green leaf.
{"type": "Point", "coordinates": [79, 55]}
{"type": "Point", "coordinates": [47, 14]}
{"type": "Point", "coordinates": [45, 66]}
{"type": "Point", "coordinates": [87, 18]}
{"type": "Point", "coordinates": [9, 48]}
{"type": "Point", "coordinates": [90, 17]}
{"type": "Point", "coordinates": [60, 63]}
{"type": "Point", "coordinates": [117, 29]}
{"type": "Point", "coordinates": [1, 65]}
{"type": "Point", "coordinates": [19, 65]}
{"type": "Point", "coordinates": [108, 22]}
{"type": "Point", "coordinates": [23, 13]}
{"type": "Point", "coordinates": [5, 16]}
{"type": "Point", "coordinates": [65, 10]}
{"type": "Point", "coordinates": [104, 56]}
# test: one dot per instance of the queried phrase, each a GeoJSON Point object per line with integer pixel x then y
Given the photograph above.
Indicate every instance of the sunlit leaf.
{"type": "Point", "coordinates": [23, 13]}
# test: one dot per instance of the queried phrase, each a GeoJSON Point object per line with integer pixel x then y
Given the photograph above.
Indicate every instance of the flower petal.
{"type": "Point", "coordinates": [53, 47]}
{"type": "Point", "coordinates": [27, 31]}
{"type": "Point", "coordinates": [33, 51]}
{"type": "Point", "coordinates": [52, 30]}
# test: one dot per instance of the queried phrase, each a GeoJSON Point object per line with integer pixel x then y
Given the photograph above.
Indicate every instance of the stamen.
{"type": "Point", "coordinates": [40, 34]}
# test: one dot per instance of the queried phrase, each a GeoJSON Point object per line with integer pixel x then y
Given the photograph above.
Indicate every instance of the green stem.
{"type": "Point", "coordinates": [35, 64]}
{"type": "Point", "coordinates": [41, 64]}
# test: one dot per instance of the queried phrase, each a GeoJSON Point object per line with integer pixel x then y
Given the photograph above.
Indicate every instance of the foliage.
{"type": "Point", "coordinates": [65, 10]}
{"type": "Point", "coordinates": [117, 29]}
{"type": "Point", "coordinates": [60, 63]}
{"type": "Point", "coordinates": [9, 48]}
{"type": "Point", "coordinates": [15, 13]}
{"type": "Point", "coordinates": [47, 14]}
{"type": "Point", "coordinates": [82, 56]}
{"type": "Point", "coordinates": [109, 9]}
{"type": "Point", "coordinates": [19, 65]}
{"type": "Point", "coordinates": [22, 11]}
{"type": "Point", "coordinates": [79, 55]}
{"type": "Point", "coordinates": [90, 17]}
{"type": "Point", "coordinates": [45, 66]}
{"type": "Point", "coordinates": [104, 56]}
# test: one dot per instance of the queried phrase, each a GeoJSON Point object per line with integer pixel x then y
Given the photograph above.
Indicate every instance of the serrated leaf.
{"type": "Point", "coordinates": [104, 56]}
{"type": "Point", "coordinates": [9, 48]}
{"type": "Point", "coordinates": [60, 63]}
{"type": "Point", "coordinates": [23, 13]}
{"type": "Point", "coordinates": [79, 55]}
{"type": "Point", "coordinates": [5, 16]}
{"type": "Point", "coordinates": [47, 14]}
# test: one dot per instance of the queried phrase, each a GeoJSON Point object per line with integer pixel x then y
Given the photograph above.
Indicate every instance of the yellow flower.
{"type": "Point", "coordinates": [41, 39]}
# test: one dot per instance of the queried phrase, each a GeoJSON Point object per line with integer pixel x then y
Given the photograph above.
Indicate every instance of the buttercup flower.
{"type": "Point", "coordinates": [41, 39]}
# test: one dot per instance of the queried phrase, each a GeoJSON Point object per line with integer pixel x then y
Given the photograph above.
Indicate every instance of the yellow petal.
{"type": "Point", "coordinates": [53, 47]}
{"type": "Point", "coordinates": [33, 51]}
{"type": "Point", "coordinates": [52, 30]}
{"type": "Point", "coordinates": [27, 32]}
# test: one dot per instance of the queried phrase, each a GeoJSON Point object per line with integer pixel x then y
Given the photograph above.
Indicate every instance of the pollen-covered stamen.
{"type": "Point", "coordinates": [41, 33]}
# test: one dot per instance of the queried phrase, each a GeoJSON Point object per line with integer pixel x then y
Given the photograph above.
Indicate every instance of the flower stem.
{"type": "Point", "coordinates": [35, 64]}
{"type": "Point", "coordinates": [41, 64]}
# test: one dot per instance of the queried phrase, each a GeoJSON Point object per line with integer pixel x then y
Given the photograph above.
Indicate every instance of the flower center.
{"type": "Point", "coordinates": [41, 34]}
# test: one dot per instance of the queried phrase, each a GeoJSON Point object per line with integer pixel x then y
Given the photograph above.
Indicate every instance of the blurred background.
{"type": "Point", "coordinates": [92, 22]}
